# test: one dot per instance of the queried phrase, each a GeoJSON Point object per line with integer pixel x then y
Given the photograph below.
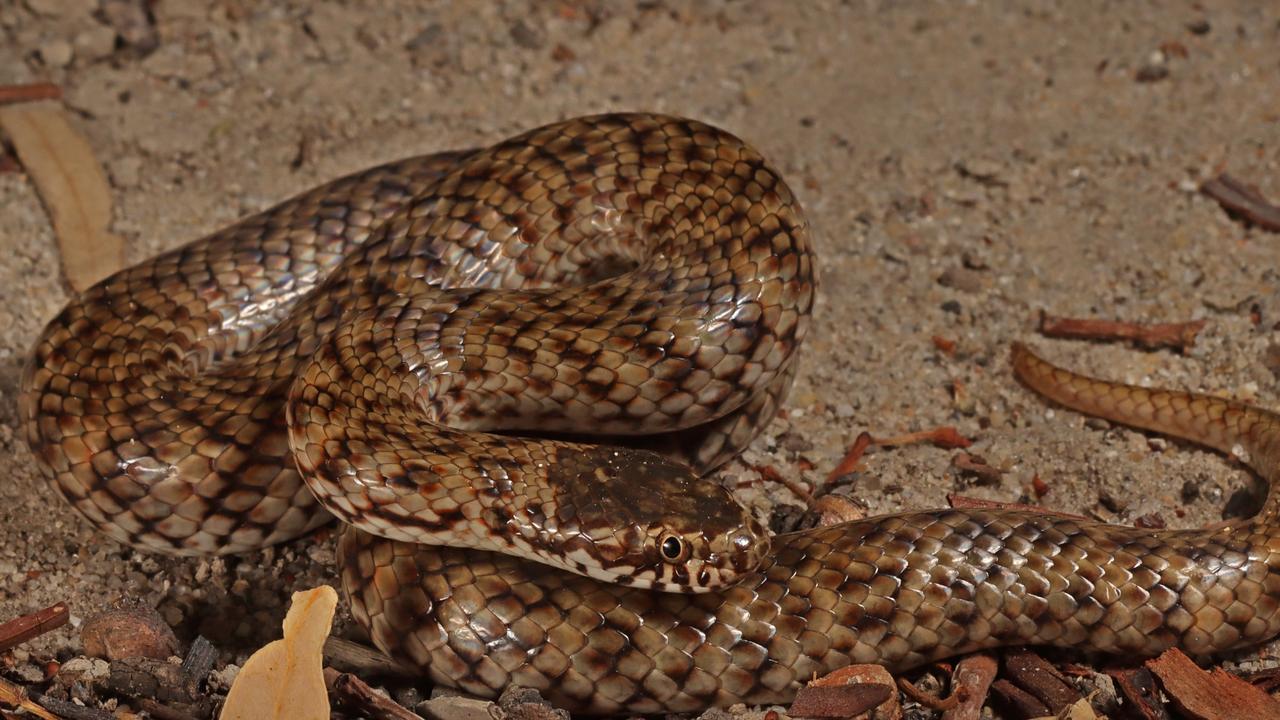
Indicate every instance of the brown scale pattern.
{"type": "Point", "coordinates": [637, 278]}
{"type": "Point", "coordinates": [900, 590]}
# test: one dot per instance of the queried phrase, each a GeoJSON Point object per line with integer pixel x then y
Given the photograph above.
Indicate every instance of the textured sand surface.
{"type": "Point", "coordinates": [966, 166]}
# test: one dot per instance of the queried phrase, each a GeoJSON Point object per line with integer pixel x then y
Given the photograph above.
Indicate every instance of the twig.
{"type": "Point", "coordinates": [932, 702]}
{"type": "Point", "coordinates": [946, 437]}
{"type": "Point", "coordinates": [770, 473]}
{"type": "Point", "coordinates": [15, 695]}
{"type": "Point", "coordinates": [22, 629]}
{"type": "Point", "coordinates": [28, 93]}
{"type": "Point", "coordinates": [352, 692]}
{"type": "Point", "coordinates": [69, 710]}
{"type": "Point", "coordinates": [965, 502]}
{"type": "Point", "coordinates": [838, 701]}
{"type": "Point", "coordinates": [353, 657]}
{"type": "Point", "coordinates": [1243, 200]}
{"type": "Point", "coordinates": [1179, 336]}
{"type": "Point", "coordinates": [852, 457]}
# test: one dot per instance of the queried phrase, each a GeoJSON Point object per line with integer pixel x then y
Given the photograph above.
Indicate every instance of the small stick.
{"type": "Point", "coordinates": [354, 693]}
{"type": "Point", "coordinates": [353, 657]}
{"type": "Point", "coordinates": [14, 695]}
{"type": "Point", "coordinates": [770, 473]}
{"type": "Point", "coordinates": [946, 437]}
{"type": "Point", "coordinates": [27, 627]}
{"type": "Point", "coordinates": [852, 457]}
{"type": "Point", "coordinates": [1179, 336]}
{"type": "Point", "coordinates": [1239, 198]}
{"type": "Point", "coordinates": [930, 701]}
{"type": "Point", "coordinates": [29, 92]}
{"type": "Point", "coordinates": [69, 710]}
{"type": "Point", "coordinates": [965, 502]}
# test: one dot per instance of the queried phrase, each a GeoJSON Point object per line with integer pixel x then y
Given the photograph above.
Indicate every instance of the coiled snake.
{"type": "Point", "coordinates": [373, 347]}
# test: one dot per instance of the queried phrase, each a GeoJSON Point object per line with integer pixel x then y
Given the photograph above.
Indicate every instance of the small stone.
{"type": "Point", "coordinates": [961, 278]}
{"type": "Point", "coordinates": [127, 633]}
{"type": "Point", "coordinates": [1199, 27]}
{"type": "Point", "coordinates": [844, 410]}
{"type": "Point", "coordinates": [29, 673]}
{"type": "Point", "coordinates": [953, 307]}
{"type": "Point", "coordinates": [95, 43]}
{"type": "Point", "coordinates": [56, 53]}
{"type": "Point", "coordinates": [526, 36]}
{"type": "Point", "coordinates": [1150, 73]}
{"type": "Point", "coordinates": [125, 173]}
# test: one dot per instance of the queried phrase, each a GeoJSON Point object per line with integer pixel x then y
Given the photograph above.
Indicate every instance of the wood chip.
{"type": "Point", "coordinates": [72, 185]}
{"type": "Point", "coordinates": [1023, 702]}
{"type": "Point", "coordinates": [285, 678]}
{"type": "Point", "coordinates": [1138, 687]}
{"type": "Point", "coordinates": [1040, 678]}
{"type": "Point", "coordinates": [1216, 695]}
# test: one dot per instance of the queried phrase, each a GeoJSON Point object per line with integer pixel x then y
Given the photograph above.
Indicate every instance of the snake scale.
{"type": "Point", "coordinates": [433, 350]}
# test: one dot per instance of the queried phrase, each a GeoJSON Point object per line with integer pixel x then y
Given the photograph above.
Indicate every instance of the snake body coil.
{"type": "Point", "coordinates": [371, 346]}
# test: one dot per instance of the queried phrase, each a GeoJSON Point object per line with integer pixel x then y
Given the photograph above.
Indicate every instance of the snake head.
{"type": "Point", "coordinates": [636, 518]}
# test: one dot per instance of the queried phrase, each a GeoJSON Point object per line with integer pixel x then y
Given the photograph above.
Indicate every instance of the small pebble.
{"type": "Point", "coordinates": [56, 53]}
{"type": "Point", "coordinates": [127, 633]}
{"type": "Point", "coordinates": [95, 43]}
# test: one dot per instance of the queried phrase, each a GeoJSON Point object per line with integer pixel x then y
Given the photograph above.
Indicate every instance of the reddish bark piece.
{"type": "Point", "coordinates": [22, 629]}
{"type": "Point", "coordinates": [1216, 695]}
{"type": "Point", "coordinates": [1026, 704]}
{"type": "Point", "coordinates": [970, 684]}
{"type": "Point", "coordinates": [1040, 678]}
{"type": "Point", "coordinates": [1138, 687]}
{"type": "Point", "coordinates": [862, 692]}
{"type": "Point", "coordinates": [1179, 336]}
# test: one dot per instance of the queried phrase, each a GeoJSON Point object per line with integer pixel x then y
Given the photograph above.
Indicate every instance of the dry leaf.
{"type": "Point", "coordinates": [285, 678]}
{"type": "Point", "coordinates": [72, 185]}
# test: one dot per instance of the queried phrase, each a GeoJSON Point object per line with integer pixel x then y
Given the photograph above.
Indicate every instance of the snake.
{"type": "Point", "coordinates": [511, 371]}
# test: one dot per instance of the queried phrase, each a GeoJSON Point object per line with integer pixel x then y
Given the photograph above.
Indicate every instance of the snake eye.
{"type": "Point", "coordinates": [673, 549]}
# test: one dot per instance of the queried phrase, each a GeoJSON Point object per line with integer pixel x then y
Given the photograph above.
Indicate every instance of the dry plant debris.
{"type": "Point", "coordinates": [285, 678]}
{"type": "Point", "coordinates": [72, 185]}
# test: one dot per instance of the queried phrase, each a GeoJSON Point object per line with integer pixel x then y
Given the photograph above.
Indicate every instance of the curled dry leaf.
{"type": "Point", "coordinates": [72, 185]}
{"type": "Point", "coordinates": [285, 678]}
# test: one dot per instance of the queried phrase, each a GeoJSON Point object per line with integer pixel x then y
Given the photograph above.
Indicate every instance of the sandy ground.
{"type": "Point", "coordinates": [966, 165]}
